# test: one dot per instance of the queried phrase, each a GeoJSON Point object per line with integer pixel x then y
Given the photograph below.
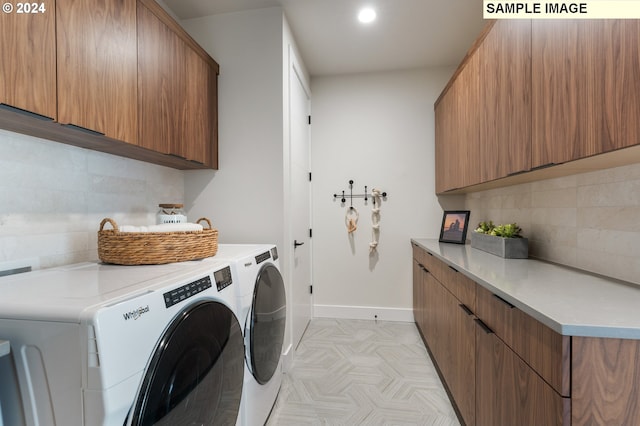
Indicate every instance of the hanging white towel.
{"type": "Point", "coordinates": [375, 219]}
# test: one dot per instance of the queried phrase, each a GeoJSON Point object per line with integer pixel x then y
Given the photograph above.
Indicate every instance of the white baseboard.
{"type": "Point", "coordinates": [363, 312]}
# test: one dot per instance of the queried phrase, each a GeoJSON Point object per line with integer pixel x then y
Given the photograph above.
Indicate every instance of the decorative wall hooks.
{"type": "Point", "coordinates": [351, 195]}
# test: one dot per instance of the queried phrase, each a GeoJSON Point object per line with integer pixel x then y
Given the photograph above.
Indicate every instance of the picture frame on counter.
{"type": "Point", "coordinates": [454, 226]}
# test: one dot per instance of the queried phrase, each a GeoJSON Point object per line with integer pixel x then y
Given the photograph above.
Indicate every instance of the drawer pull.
{"type": "Point", "coordinates": [483, 326]}
{"type": "Point", "coordinates": [25, 112]}
{"type": "Point", "coordinates": [452, 268]}
{"type": "Point", "coordinates": [504, 301]}
{"type": "Point", "coordinates": [83, 129]}
{"type": "Point", "coordinates": [466, 309]}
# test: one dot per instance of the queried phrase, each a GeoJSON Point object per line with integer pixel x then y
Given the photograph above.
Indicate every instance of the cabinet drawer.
{"type": "Point", "coordinates": [462, 287]}
{"type": "Point", "coordinates": [546, 351]}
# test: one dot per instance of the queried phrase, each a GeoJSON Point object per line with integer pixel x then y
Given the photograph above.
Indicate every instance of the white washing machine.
{"type": "Point", "coordinates": [262, 312]}
{"type": "Point", "coordinates": [96, 344]}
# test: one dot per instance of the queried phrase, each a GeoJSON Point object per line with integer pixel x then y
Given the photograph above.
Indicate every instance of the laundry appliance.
{"type": "Point", "coordinates": [97, 344]}
{"type": "Point", "coordinates": [262, 313]}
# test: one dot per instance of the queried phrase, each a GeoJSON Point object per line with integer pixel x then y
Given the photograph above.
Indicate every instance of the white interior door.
{"type": "Point", "coordinates": [300, 202]}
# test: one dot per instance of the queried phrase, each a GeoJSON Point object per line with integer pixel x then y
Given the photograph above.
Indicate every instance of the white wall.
{"type": "Point", "coordinates": [377, 129]}
{"type": "Point", "coordinates": [244, 198]}
{"type": "Point", "coordinates": [53, 197]}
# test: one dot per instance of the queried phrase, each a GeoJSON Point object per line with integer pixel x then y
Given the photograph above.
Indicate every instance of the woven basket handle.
{"type": "Point", "coordinates": [205, 219]}
{"type": "Point", "coordinates": [111, 221]}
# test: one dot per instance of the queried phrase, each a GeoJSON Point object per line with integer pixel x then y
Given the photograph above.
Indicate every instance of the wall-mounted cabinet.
{"type": "Point", "coordinates": [118, 81]}
{"type": "Point", "coordinates": [586, 92]}
{"type": "Point", "coordinates": [177, 80]}
{"type": "Point", "coordinates": [28, 66]}
{"type": "Point", "coordinates": [97, 80]}
{"type": "Point", "coordinates": [549, 92]}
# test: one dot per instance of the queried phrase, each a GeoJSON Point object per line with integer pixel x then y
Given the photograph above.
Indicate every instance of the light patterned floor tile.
{"type": "Point", "coordinates": [355, 372]}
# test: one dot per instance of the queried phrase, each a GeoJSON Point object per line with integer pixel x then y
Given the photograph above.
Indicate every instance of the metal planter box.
{"type": "Point", "coordinates": [509, 248]}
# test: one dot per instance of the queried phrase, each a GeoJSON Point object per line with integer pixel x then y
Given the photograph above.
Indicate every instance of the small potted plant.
{"type": "Point", "coordinates": [500, 240]}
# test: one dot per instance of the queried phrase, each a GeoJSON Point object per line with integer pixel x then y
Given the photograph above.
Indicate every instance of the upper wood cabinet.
{"type": "Point", "coordinates": [548, 92]}
{"type": "Point", "coordinates": [97, 66]}
{"type": "Point", "coordinates": [586, 92]}
{"type": "Point", "coordinates": [122, 70]}
{"type": "Point", "coordinates": [28, 65]}
{"type": "Point", "coordinates": [505, 99]}
{"type": "Point", "coordinates": [457, 127]}
{"type": "Point", "coordinates": [177, 82]}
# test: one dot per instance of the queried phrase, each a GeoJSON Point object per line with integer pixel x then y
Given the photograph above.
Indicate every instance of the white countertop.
{"type": "Point", "coordinates": [4, 348]}
{"type": "Point", "coordinates": [569, 301]}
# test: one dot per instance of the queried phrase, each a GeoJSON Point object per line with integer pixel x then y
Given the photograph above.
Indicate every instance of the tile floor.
{"type": "Point", "coordinates": [353, 372]}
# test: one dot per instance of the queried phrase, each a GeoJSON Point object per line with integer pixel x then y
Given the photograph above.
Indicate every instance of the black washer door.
{"type": "Point", "coordinates": [196, 375]}
{"type": "Point", "coordinates": [268, 317]}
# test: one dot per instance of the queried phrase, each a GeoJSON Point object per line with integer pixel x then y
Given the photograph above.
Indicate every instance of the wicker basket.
{"type": "Point", "coordinates": [155, 248]}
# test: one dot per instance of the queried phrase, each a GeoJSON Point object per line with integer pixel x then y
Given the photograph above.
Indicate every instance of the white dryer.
{"type": "Point", "coordinates": [262, 310]}
{"type": "Point", "coordinates": [97, 344]}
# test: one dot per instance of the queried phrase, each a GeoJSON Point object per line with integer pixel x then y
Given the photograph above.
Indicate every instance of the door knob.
{"type": "Point", "coordinates": [296, 243]}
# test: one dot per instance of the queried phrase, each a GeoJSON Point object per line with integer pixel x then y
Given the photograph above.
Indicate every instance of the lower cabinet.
{"type": "Point", "coordinates": [488, 380]}
{"type": "Point", "coordinates": [509, 392]}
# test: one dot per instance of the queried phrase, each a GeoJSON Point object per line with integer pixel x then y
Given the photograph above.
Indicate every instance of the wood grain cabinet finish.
{"type": "Point", "coordinates": [177, 90]}
{"type": "Point", "coordinates": [457, 126]}
{"type": "Point", "coordinates": [606, 381]}
{"type": "Point", "coordinates": [505, 100]}
{"type": "Point", "coordinates": [97, 66]}
{"type": "Point", "coordinates": [585, 88]}
{"type": "Point", "coordinates": [546, 351]}
{"type": "Point", "coordinates": [28, 65]}
{"type": "Point", "coordinates": [509, 392]}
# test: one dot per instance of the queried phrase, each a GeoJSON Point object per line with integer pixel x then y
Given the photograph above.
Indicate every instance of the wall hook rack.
{"type": "Point", "coordinates": [351, 195]}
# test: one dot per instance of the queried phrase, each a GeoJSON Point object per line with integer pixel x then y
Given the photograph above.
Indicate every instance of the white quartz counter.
{"type": "Point", "coordinates": [571, 302]}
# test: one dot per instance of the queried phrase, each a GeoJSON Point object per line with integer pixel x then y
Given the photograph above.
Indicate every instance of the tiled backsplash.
{"type": "Point", "coordinates": [590, 221]}
{"type": "Point", "coordinates": [53, 197]}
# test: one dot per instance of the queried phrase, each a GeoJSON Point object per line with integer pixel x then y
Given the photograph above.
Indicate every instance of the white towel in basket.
{"type": "Point", "coordinates": [165, 227]}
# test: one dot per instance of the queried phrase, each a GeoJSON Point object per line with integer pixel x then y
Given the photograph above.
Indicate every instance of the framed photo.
{"type": "Point", "coordinates": [454, 226]}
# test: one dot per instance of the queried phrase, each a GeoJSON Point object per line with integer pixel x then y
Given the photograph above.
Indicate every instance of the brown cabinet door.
{"type": "Point", "coordinates": [457, 131]}
{"type": "Point", "coordinates": [28, 65]}
{"type": "Point", "coordinates": [97, 74]}
{"type": "Point", "coordinates": [199, 115]}
{"type": "Point", "coordinates": [509, 392]}
{"type": "Point", "coordinates": [418, 294]}
{"type": "Point", "coordinates": [177, 92]}
{"type": "Point", "coordinates": [462, 358]}
{"type": "Point", "coordinates": [160, 69]}
{"type": "Point", "coordinates": [585, 90]}
{"type": "Point", "coordinates": [505, 99]}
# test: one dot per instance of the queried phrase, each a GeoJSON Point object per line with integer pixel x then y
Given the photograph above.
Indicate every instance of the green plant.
{"type": "Point", "coordinates": [510, 230]}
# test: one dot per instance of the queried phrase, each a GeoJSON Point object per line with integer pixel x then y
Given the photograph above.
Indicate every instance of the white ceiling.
{"type": "Point", "coordinates": [407, 34]}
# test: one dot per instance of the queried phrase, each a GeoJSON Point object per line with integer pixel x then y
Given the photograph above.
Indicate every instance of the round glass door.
{"type": "Point", "coordinates": [268, 317]}
{"type": "Point", "coordinates": [195, 376]}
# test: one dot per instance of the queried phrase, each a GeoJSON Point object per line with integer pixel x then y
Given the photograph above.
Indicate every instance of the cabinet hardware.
{"type": "Point", "coordinates": [544, 166]}
{"type": "Point", "coordinates": [504, 301]}
{"type": "Point", "coordinates": [25, 112]}
{"type": "Point", "coordinates": [84, 129]}
{"type": "Point", "coordinates": [297, 244]}
{"type": "Point", "coordinates": [466, 309]}
{"type": "Point", "coordinates": [452, 268]}
{"type": "Point", "coordinates": [484, 326]}
{"type": "Point", "coordinates": [519, 172]}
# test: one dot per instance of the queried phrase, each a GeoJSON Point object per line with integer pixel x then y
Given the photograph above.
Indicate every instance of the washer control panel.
{"type": "Point", "coordinates": [186, 291]}
{"type": "Point", "coordinates": [262, 257]}
{"type": "Point", "coordinates": [223, 277]}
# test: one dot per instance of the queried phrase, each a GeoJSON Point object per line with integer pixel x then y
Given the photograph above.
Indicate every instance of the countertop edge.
{"type": "Point", "coordinates": [578, 330]}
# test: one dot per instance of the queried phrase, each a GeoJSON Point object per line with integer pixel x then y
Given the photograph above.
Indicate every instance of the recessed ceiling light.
{"type": "Point", "coordinates": [367, 15]}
